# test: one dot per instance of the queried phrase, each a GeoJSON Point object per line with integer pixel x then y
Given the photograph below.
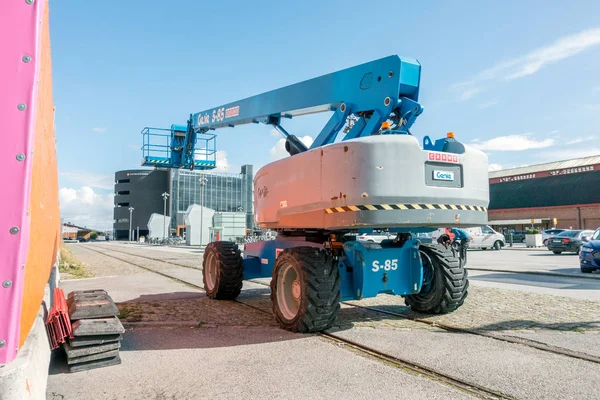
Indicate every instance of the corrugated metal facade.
{"type": "Point", "coordinates": [530, 169]}
{"type": "Point", "coordinates": [561, 190]}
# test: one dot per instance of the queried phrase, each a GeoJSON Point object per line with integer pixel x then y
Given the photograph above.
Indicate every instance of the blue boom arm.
{"type": "Point", "coordinates": [383, 90]}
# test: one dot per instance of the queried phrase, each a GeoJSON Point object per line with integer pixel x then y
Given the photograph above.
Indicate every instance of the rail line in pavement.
{"type": "Point", "coordinates": [449, 328]}
{"type": "Point", "coordinates": [457, 383]}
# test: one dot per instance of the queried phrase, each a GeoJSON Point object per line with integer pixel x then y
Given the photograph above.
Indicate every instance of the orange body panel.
{"type": "Point", "coordinates": [44, 238]}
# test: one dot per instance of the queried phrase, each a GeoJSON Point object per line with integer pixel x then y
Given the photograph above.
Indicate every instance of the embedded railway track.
{"type": "Point", "coordinates": [449, 328]}
{"type": "Point", "coordinates": [456, 383]}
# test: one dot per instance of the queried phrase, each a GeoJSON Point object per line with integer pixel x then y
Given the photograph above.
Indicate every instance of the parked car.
{"type": "Point", "coordinates": [517, 236]}
{"type": "Point", "coordinates": [423, 237]}
{"type": "Point", "coordinates": [548, 233]}
{"type": "Point", "coordinates": [568, 241]}
{"type": "Point", "coordinates": [589, 255]}
{"type": "Point", "coordinates": [485, 237]}
{"type": "Point", "coordinates": [375, 236]}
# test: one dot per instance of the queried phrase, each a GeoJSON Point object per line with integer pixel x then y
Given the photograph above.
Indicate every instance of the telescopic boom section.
{"type": "Point", "coordinates": [383, 90]}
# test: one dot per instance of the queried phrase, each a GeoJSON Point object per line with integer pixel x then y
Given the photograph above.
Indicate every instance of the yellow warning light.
{"type": "Point", "coordinates": [385, 125]}
{"type": "Point", "coordinates": [450, 135]}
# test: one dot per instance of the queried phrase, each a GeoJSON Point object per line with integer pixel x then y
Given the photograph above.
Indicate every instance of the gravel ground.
{"type": "Point", "coordinates": [103, 266]}
{"type": "Point", "coordinates": [490, 309]}
{"type": "Point", "coordinates": [487, 309]}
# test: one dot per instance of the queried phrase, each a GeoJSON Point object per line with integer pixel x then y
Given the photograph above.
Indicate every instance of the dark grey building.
{"type": "Point", "coordinates": [142, 190]}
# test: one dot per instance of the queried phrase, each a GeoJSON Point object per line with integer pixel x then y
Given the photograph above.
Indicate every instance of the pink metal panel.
{"type": "Point", "coordinates": [20, 30]}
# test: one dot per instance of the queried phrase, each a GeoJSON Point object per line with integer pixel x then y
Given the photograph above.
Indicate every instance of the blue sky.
{"type": "Point", "coordinates": [517, 79]}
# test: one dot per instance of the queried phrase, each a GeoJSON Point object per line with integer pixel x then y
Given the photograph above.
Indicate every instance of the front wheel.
{"type": "Point", "coordinates": [222, 270]}
{"type": "Point", "coordinates": [445, 285]}
{"type": "Point", "coordinates": [497, 245]}
{"type": "Point", "coordinates": [305, 290]}
{"type": "Point", "coordinates": [557, 252]}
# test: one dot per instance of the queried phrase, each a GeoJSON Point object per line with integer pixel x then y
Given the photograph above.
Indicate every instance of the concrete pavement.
{"type": "Point", "coordinates": [187, 346]}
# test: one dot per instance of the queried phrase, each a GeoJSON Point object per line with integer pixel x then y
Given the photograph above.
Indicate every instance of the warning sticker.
{"type": "Point", "coordinates": [277, 251]}
{"type": "Point", "coordinates": [232, 112]}
{"type": "Point", "coordinates": [444, 157]}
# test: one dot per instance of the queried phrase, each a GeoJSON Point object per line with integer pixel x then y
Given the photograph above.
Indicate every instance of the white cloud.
{"type": "Point", "coordinates": [90, 179]}
{"type": "Point", "coordinates": [582, 139]}
{"type": "Point", "coordinates": [222, 163]}
{"type": "Point", "coordinates": [99, 130]}
{"type": "Point", "coordinates": [513, 143]}
{"type": "Point", "coordinates": [494, 167]}
{"type": "Point", "coordinates": [592, 107]}
{"type": "Point", "coordinates": [85, 207]}
{"type": "Point", "coordinates": [487, 104]}
{"type": "Point", "coordinates": [531, 62]}
{"type": "Point", "coordinates": [470, 91]}
{"type": "Point", "coordinates": [275, 133]}
{"type": "Point", "coordinates": [564, 154]}
{"type": "Point", "coordinates": [278, 151]}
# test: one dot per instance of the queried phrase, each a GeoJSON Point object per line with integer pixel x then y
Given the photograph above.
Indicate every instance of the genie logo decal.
{"type": "Point", "coordinates": [443, 175]}
{"type": "Point", "coordinates": [263, 192]}
{"type": "Point", "coordinates": [443, 157]}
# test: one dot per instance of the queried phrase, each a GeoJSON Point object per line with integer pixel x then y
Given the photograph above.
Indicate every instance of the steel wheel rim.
{"type": "Point", "coordinates": [211, 271]}
{"type": "Point", "coordinates": [289, 291]}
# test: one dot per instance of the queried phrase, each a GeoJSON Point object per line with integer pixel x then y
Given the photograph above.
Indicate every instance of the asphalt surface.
{"type": "Point", "coordinates": [538, 262]}
{"type": "Point", "coordinates": [521, 259]}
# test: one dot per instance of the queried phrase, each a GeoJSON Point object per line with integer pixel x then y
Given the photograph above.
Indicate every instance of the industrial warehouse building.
{"type": "Point", "coordinates": [565, 192]}
{"type": "Point", "coordinates": [142, 190]}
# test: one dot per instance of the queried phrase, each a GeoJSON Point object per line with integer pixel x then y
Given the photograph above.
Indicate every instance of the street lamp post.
{"type": "Point", "coordinates": [164, 196]}
{"type": "Point", "coordinates": [203, 182]}
{"type": "Point", "coordinates": [130, 221]}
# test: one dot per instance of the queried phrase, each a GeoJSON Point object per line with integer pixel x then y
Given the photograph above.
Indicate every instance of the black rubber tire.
{"type": "Point", "coordinates": [320, 289]}
{"type": "Point", "coordinates": [230, 274]}
{"type": "Point", "coordinates": [587, 270]}
{"type": "Point", "coordinates": [557, 252]}
{"type": "Point", "coordinates": [497, 245]}
{"type": "Point", "coordinates": [484, 248]}
{"type": "Point", "coordinates": [450, 283]}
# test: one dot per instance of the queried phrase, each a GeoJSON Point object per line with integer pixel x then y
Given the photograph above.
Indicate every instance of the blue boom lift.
{"type": "Point", "coordinates": [364, 170]}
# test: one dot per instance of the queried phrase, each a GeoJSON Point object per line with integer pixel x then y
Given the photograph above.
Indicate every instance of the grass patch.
{"type": "Point", "coordinates": [129, 313]}
{"type": "Point", "coordinates": [69, 264]}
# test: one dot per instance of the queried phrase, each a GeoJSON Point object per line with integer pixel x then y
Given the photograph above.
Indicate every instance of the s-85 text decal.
{"type": "Point", "coordinates": [386, 265]}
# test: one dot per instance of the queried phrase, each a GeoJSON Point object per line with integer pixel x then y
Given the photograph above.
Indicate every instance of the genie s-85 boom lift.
{"type": "Point", "coordinates": [369, 174]}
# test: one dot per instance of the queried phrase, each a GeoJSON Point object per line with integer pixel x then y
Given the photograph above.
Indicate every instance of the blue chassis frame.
{"type": "Point", "coordinates": [366, 269]}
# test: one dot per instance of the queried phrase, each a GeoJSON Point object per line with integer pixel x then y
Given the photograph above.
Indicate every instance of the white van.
{"type": "Point", "coordinates": [485, 237]}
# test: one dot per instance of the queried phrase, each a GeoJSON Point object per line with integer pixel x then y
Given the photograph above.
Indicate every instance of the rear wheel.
{"type": "Point", "coordinates": [305, 290]}
{"type": "Point", "coordinates": [222, 270]}
{"type": "Point", "coordinates": [557, 252]}
{"type": "Point", "coordinates": [445, 285]}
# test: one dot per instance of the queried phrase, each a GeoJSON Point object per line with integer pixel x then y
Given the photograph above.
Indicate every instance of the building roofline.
{"type": "Point", "coordinates": [549, 166]}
